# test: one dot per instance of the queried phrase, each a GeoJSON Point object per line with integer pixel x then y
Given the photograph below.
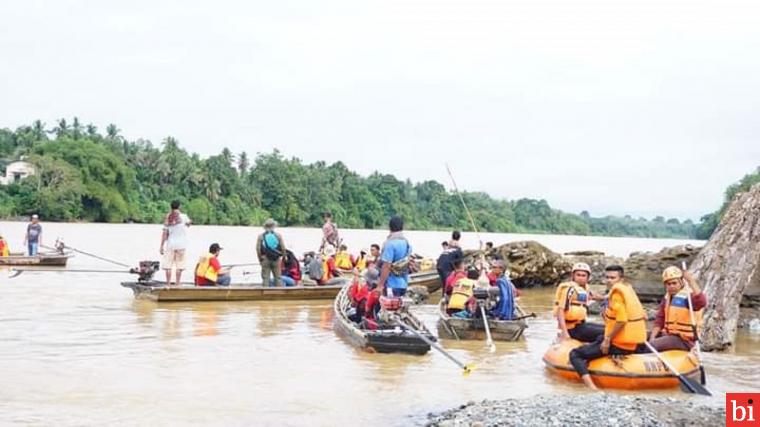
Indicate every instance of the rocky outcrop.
{"type": "Point", "coordinates": [596, 260]}
{"type": "Point", "coordinates": [529, 263]}
{"type": "Point", "coordinates": [728, 267]}
{"type": "Point", "coordinates": [644, 269]}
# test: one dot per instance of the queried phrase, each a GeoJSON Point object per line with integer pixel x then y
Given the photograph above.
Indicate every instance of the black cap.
{"type": "Point", "coordinates": [214, 247]}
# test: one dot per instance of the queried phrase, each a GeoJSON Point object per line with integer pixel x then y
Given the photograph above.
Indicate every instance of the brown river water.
{"type": "Point", "coordinates": [78, 349]}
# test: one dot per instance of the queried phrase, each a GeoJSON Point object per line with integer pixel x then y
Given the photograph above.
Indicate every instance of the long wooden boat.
{"type": "Point", "coordinates": [52, 259]}
{"type": "Point", "coordinates": [474, 329]}
{"type": "Point", "coordinates": [631, 372]}
{"type": "Point", "coordinates": [388, 339]}
{"type": "Point", "coordinates": [428, 279]}
{"type": "Point", "coordinates": [159, 292]}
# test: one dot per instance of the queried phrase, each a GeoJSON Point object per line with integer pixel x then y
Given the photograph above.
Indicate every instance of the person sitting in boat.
{"type": "Point", "coordinates": [359, 294]}
{"type": "Point", "coordinates": [505, 308]}
{"type": "Point", "coordinates": [374, 255]}
{"type": "Point", "coordinates": [4, 250]}
{"type": "Point", "coordinates": [458, 273]}
{"type": "Point", "coordinates": [343, 259]}
{"type": "Point", "coordinates": [361, 261]}
{"type": "Point", "coordinates": [209, 271]}
{"type": "Point", "coordinates": [625, 328]}
{"type": "Point", "coordinates": [462, 301]}
{"type": "Point", "coordinates": [312, 265]}
{"type": "Point", "coordinates": [394, 260]}
{"type": "Point", "coordinates": [679, 317]}
{"type": "Point", "coordinates": [571, 307]}
{"type": "Point", "coordinates": [291, 270]}
{"type": "Point", "coordinates": [329, 269]}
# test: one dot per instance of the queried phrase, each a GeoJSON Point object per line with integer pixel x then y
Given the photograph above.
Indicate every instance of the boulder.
{"type": "Point", "coordinates": [644, 269]}
{"type": "Point", "coordinates": [529, 263]}
{"type": "Point", "coordinates": [596, 260]}
{"type": "Point", "coordinates": [728, 267]}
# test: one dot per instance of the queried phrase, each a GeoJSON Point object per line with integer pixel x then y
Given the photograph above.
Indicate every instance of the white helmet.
{"type": "Point", "coordinates": [580, 266]}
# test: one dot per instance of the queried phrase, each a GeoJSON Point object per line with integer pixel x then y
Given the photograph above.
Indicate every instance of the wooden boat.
{"type": "Point", "coordinates": [159, 292]}
{"type": "Point", "coordinates": [48, 259]}
{"type": "Point", "coordinates": [428, 279]}
{"type": "Point", "coordinates": [392, 339]}
{"type": "Point", "coordinates": [631, 372]}
{"type": "Point", "coordinates": [473, 329]}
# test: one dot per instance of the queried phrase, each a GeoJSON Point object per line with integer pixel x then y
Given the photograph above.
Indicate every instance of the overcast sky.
{"type": "Point", "coordinates": [617, 107]}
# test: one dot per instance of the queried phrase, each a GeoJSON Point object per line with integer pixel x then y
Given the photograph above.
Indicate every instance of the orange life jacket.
{"type": "Point", "coordinates": [4, 251]}
{"type": "Point", "coordinates": [576, 311]}
{"type": "Point", "coordinates": [635, 330]}
{"type": "Point", "coordinates": [205, 270]}
{"type": "Point", "coordinates": [678, 317]}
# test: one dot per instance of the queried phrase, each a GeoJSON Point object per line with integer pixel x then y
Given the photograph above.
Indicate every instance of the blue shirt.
{"type": "Point", "coordinates": [395, 250]}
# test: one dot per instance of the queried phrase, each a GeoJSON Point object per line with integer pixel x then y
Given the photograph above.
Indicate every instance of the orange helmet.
{"type": "Point", "coordinates": [670, 273]}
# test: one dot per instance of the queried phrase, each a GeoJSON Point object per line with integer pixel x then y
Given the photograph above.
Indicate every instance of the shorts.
{"type": "Point", "coordinates": [174, 258]}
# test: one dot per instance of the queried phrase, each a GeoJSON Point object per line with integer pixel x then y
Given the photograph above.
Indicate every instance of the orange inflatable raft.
{"type": "Point", "coordinates": [631, 372]}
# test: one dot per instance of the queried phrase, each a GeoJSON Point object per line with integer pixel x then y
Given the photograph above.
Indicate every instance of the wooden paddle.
{"type": "Point", "coordinates": [702, 375]}
{"type": "Point", "coordinates": [690, 385]}
{"type": "Point", "coordinates": [466, 369]}
{"type": "Point", "coordinates": [489, 340]}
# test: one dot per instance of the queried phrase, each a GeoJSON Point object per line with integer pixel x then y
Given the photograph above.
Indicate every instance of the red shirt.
{"type": "Point", "coordinates": [357, 293]}
{"type": "Point", "coordinates": [698, 302]}
{"type": "Point", "coordinates": [212, 263]}
{"type": "Point", "coordinates": [452, 279]}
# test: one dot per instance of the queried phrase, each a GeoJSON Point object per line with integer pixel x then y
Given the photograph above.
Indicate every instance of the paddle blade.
{"type": "Point", "coordinates": [14, 273]}
{"type": "Point", "coordinates": [702, 376]}
{"type": "Point", "coordinates": [468, 368]}
{"type": "Point", "coordinates": [690, 386]}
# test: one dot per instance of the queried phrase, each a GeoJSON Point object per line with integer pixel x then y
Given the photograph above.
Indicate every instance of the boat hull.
{"type": "Point", "coordinates": [47, 260]}
{"type": "Point", "coordinates": [159, 293]}
{"type": "Point", "coordinates": [473, 329]}
{"type": "Point", "coordinates": [630, 372]}
{"type": "Point", "coordinates": [394, 340]}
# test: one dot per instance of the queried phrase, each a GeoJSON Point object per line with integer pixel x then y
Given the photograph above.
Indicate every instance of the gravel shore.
{"type": "Point", "coordinates": [581, 410]}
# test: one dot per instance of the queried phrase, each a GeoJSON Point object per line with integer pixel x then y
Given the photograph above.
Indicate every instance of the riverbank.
{"type": "Point", "coordinates": [606, 409]}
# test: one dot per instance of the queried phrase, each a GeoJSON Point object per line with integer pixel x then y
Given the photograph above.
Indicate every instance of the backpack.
{"type": "Point", "coordinates": [270, 246]}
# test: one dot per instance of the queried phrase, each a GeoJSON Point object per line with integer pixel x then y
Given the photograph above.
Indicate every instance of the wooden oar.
{"type": "Point", "coordinates": [689, 385]}
{"type": "Point", "coordinates": [489, 340]}
{"type": "Point", "coordinates": [466, 369]}
{"type": "Point", "coordinates": [702, 375]}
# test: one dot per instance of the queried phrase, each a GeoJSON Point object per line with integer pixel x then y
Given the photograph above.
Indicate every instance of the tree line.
{"type": "Point", "coordinates": [85, 175]}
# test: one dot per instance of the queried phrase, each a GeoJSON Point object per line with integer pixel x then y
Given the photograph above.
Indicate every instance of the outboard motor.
{"type": "Point", "coordinates": [145, 271]}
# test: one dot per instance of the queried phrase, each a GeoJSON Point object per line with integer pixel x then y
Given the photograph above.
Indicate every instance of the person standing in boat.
{"type": "Point", "coordinates": [329, 232]}
{"type": "Point", "coordinates": [625, 327]}
{"type": "Point", "coordinates": [679, 317]}
{"type": "Point", "coordinates": [449, 257]}
{"type": "Point", "coordinates": [174, 236]}
{"type": "Point", "coordinates": [394, 261]}
{"type": "Point", "coordinates": [571, 307]}
{"type": "Point", "coordinates": [33, 236]}
{"type": "Point", "coordinates": [209, 271]}
{"type": "Point", "coordinates": [270, 248]}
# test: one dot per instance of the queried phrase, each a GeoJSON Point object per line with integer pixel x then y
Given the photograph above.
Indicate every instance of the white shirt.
{"type": "Point", "coordinates": [177, 239]}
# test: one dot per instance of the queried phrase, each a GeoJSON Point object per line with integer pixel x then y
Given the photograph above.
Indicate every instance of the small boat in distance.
{"type": "Point", "coordinates": [159, 292]}
{"type": "Point", "coordinates": [47, 259]}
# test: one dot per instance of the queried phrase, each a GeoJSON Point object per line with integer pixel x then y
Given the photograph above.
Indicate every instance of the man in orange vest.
{"type": "Point", "coordinates": [571, 306]}
{"type": "Point", "coordinates": [680, 313]}
{"type": "Point", "coordinates": [625, 326]}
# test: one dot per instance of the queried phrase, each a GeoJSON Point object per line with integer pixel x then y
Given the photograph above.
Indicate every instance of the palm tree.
{"type": "Point", "coordinates": [243, 163]}
{"type": "Point", "coordinates": [76, 128]}
{"type": "Point", "coordinates": [62, 128]}
{"type": "Point", "coordinates": [112, 132]}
